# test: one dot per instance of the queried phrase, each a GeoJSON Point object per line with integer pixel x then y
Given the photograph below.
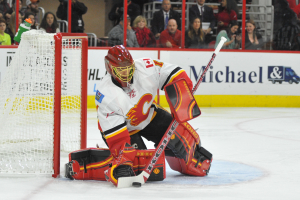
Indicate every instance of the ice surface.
{"type": "Point", "coordinates": [256, 156]}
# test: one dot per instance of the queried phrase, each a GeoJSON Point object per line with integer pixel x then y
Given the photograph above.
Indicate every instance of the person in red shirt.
{"type": "Point", "coordinates": [292, 3]}
{"type": "Point", "coordinates": [296, 9]}
{"type": "Point", "coordinates": [171, 37]}
{"type": "Point", "coordinates": [228, 11]}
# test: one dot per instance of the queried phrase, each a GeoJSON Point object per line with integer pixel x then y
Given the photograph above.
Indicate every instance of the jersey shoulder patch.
{"type": "Point", "coordinates": [99, 96]}
{"type": "Point", "coordinates": [148, 62]}
{"type": "Point", "coordinates": [144, 64]}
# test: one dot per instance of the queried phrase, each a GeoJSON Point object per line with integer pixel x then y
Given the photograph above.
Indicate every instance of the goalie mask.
{"type": "Point", "coordinates": [119, 63]}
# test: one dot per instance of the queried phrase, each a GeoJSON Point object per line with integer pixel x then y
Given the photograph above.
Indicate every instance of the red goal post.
{"type": "Point", "coordinates": [57, 96]}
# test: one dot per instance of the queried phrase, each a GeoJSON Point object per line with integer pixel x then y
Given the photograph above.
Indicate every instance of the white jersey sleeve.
{"type": "Point", "coordinates": [109, 113]}
{"type": "Point", "coordinates": [167, 72]}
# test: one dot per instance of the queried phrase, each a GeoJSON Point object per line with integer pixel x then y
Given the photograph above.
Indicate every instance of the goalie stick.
{"type": "Point", "coordinates": [143, 177]}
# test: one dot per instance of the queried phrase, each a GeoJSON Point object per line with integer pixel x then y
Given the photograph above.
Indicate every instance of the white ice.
{"type": "Point", "coordinates": [256, 155]}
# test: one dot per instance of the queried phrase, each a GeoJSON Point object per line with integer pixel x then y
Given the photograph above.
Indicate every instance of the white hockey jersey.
{"type": "Point", "coordinates": [132, 108]}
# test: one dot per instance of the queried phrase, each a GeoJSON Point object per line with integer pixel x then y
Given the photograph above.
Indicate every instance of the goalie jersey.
{"type": "Point", "coordinates": [124, 111]}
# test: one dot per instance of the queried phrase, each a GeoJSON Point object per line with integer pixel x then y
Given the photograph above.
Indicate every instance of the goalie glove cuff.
{"type": "Point", "coordinates": [122, 165]}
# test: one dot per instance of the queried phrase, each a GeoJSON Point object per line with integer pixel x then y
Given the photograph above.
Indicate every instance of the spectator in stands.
{"type": "Point", "coordinates": [171, 37]}
{"type": "Point", "coordinates": [297, 11]}
{"type": "Point", "coordinates": [7, 19]}
{"type": "Point", "coordinates": [176, 4]}
{"type": "Point", "coordinates": [157, 5]}
{"type": "Point", "coordinates": [33, 7]}
{"type": "Point", "coordinates": [279, 8]}
{"type": "Point", "coordinates": [49, 23]}
{"type": "Point", "coordinates": [227, 12]}
{"type": "Point", "coordinates": [117, 11]}
{"type": "Point", "coordinates": [12, 9]}
{"type": "Point", "coordinates": [287, 37]}
{"type": "Point", "coordinates": [4, 7]}
{"type": "Point", "coordinates": [205, 13]}
{"type": "Point", "coordinates": [78, 9]}
{"type": "Point", "coordinates": [143, 34]}
{"type": "Point", "coordinates": [233, 40]}
{"type": "Point", "coordinates": [195, 36]}
{"type": "Point", "coordinates": [4, 37]}
{"type": "Point", "coordinates": [141, 3]}
{"type": "Point", "coordinates": [11, 28]}
{"type": "Point", "coordinates": [115, 35]}
{"type": "Point", "coordinates": [31, 16]}
{"type": "Point", "coordinates": [292, 3]}
{"type": "Point", "coordinates": [161, 18]}
{"type": "Point", "coordinates": [253, 39]}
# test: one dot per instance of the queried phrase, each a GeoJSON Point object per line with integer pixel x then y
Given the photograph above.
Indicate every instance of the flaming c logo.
{"type": "Point", "coordinates": [136, 114]}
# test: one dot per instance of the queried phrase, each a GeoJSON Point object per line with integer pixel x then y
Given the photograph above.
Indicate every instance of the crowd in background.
{"type": "Point", "coordinates": [204, 30]}
{"type": "Point", "coordinates": [47, 24]}
{"type": "Point", "coordinates": [205, 27]}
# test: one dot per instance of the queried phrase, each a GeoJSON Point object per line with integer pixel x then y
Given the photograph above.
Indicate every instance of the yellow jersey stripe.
{"type": "Point", "coordinates": [115, 133]}
{"type": "Point", "coordinates": [175, 75]}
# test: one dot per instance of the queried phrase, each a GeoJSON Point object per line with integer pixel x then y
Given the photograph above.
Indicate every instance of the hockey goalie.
{"type": "Point", "coordinates": [126, 112]}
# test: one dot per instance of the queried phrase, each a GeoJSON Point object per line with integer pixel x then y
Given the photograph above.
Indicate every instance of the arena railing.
{"type": "Point", "coordinates": [41, 14]}
{"type": "Point", "coordinates": [63, 26]}
{"type": "Point", "coordinates": [92, 39]}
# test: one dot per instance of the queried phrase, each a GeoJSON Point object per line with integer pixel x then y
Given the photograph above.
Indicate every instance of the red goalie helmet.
{"type": "Point", "coordinates": [119, 63]}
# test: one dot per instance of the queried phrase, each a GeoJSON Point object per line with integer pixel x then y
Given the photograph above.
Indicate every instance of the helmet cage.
{"type": "Point", "coordinates": [124, 74]}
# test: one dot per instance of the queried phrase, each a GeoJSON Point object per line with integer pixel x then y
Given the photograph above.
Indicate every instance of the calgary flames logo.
{"type": "Point", "coordinates": [136, 114]}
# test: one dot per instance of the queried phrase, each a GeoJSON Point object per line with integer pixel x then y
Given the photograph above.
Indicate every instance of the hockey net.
{"type": "Point", "coordinates": [43, 103]}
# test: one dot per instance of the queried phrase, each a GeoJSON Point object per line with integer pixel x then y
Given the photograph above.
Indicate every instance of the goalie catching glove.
{"type": "Point", "coordinates": [122, 165]}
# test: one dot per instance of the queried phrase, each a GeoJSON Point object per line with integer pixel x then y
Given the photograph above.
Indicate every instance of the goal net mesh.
{"type": "Point", "coordinates": [26, 104]}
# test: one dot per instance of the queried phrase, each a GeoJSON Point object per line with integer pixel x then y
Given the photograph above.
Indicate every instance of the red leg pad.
{"type": "Point", "coordinates": [181, 166]}
{"type": "Point", "coordinates": [89, 164]}
{"type": "Point", "coordinates": [187, 156]}
{"type": "Point", "coordinates": [143, 157]}
{"type": "Point", "coordinates": [100, 160]}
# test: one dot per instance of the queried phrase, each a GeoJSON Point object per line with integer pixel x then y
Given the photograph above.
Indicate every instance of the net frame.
{"type": "Point", "coordinates": [57, 94]}
{"type": "Point", "coordinates": [59, 103]}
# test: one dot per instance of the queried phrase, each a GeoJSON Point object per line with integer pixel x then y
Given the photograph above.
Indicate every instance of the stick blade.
{"type": "Point", "coordinates": [125, 182]}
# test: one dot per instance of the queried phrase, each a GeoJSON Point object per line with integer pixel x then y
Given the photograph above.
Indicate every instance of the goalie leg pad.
{"type": "Point", "coordinates": [182, 143]}
{"type": "Point", "coordinates": [187, 156]}
{"type": "Point", "coordinates": [194, 167]}
{"type": "Point", "coordinates": [122, 164]}
{"type": "Point", "coordinates": [143, 157]}
{"type": "Point", "coordinates": [90, 164]}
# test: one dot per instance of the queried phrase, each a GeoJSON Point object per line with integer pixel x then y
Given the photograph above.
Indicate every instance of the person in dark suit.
{"type": "Point", "coordinates": [117, 11]}
{"type": "Point", "coordinates": [161, 18]}
{"type": "Point", "coordinates": [205, 13]}
{"type": "Point", "coordinates": [78, 9]}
